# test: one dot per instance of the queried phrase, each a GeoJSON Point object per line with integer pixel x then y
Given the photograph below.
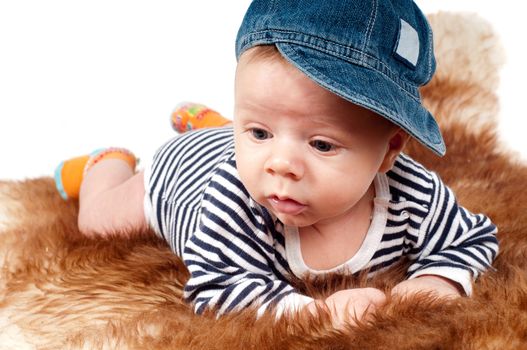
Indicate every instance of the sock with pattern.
{"type": "Point", "coordinates": [191, 116]}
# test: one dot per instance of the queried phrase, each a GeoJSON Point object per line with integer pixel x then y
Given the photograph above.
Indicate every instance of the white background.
{"type": "Point", "coordinates": [79, 75]}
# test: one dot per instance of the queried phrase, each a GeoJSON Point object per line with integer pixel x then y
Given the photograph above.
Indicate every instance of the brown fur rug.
{"type": "Point", "coordinates": [60, 290]}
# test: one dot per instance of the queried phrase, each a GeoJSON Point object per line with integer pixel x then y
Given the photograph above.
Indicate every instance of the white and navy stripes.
{"type": "Point", "coordinates": [179, 172]}
{"type": "Point", "coordinates": [236, 251]}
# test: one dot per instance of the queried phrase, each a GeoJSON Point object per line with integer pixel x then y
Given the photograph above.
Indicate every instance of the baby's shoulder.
{"type": "Point", "coordinates": [409, 180]}
{"type": "Point", "coordinates": [407, 168]}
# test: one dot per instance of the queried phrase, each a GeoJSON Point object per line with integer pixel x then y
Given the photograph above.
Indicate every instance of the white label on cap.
{"type": "Point", "coordinates": [408, 45]}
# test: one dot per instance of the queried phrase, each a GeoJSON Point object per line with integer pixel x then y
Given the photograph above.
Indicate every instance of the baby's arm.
{"type": "Point", "coordinates": [212, 286]}
{"type": "Point", "coordinates": [231, 256]}
{"type": "Point", "coordinates": [454, 247]}
{"type": "Point", "coordinates": [226, 279]}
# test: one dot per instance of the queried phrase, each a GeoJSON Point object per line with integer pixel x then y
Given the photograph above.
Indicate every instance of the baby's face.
{"type": "Point", "coordinates": [302, 152]}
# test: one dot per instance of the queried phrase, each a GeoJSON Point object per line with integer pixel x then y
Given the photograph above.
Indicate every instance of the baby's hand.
{"type": "Point", "coordinates": [437, 285]}
{"type": "Point", "coordinates": [346, 306]}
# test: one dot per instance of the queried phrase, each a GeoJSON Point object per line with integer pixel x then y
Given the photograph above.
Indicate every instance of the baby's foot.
{"type": "Point", "coordinates": [191, 116]}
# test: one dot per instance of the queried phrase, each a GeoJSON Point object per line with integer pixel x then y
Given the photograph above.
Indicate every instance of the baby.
{"type": "Point", "coordinates": [310, 179]}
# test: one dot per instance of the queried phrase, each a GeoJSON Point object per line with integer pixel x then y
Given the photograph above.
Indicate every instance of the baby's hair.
{"type": "Point", "coordinates": [264, 53]}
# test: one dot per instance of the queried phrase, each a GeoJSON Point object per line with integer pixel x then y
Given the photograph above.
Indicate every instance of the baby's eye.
{"type": "Point", "coordinates": [260, 134]}
{"type": "Point", "coordinates": [322, 146]}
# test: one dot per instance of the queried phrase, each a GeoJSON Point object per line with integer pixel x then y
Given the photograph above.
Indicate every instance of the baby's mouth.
{"type": "Point", "coordinates": [286, 205]}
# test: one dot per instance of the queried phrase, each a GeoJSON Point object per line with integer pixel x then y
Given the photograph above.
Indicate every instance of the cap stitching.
{"type": "Point", "coordinates": [430, 53]}
{"type": "Point", "coordinates": [371, 23]}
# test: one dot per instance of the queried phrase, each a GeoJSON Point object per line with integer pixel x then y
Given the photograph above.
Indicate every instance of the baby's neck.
{"type": "Point", "coordinates": [328, 244]}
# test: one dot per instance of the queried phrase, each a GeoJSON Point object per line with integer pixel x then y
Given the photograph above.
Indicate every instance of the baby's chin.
{"type": "Point", "coordinates": [294, 220]}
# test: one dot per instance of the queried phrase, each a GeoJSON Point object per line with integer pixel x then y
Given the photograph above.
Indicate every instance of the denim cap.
{"type": "Point", "coordinates": [374, 53]}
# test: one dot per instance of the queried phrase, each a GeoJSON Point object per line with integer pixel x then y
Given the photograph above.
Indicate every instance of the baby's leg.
{"type": "Point", "coordinates": [111, 199]}
{"type": "Point", "coordinates": [110, 193]}
{"type": "Point", "coordinates": [191, 116]}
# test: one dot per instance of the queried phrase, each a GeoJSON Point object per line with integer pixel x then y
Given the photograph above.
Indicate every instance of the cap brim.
{"type": "Point", "coordinates": [368, 88]}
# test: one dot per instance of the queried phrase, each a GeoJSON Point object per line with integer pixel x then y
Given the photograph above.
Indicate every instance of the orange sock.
{"type": "Point", "coordinates": [69, 173]}
{"type": "Point", "coordinates": [191, 116]}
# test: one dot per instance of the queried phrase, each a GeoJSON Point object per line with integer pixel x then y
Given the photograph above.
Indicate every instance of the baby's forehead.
{"type": "Point", "coordinates": [277, 86]}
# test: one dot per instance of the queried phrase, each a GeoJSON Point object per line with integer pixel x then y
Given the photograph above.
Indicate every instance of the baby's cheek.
{"type": "Point", "coordinates": [343, 193]}
{"type": "Point", "coordinates": [248, 172]}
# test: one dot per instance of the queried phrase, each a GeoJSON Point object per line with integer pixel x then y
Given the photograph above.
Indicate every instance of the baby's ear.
{"type": "Point", "coordinates": [397, 141]}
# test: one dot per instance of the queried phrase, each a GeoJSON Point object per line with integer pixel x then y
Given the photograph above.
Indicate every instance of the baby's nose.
{"type": "Point", "coordinates": [285, 163]}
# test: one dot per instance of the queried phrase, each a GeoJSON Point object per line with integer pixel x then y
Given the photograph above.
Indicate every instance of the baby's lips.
{"type": "Point", "coordinates": [286, 205]}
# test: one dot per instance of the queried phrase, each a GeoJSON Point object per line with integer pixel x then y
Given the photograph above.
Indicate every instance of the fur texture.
{"type": "Point", "coordinates": [61, 290]}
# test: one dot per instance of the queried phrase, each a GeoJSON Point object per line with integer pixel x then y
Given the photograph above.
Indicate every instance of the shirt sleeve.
{"type": "Point", "coordinates": [454, 243]}
{"type": "Point", "coordinates": [231, 257]}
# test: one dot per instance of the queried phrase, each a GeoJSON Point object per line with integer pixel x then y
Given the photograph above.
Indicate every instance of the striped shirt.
{"type": "Point", "coordinates": [239, 254]}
